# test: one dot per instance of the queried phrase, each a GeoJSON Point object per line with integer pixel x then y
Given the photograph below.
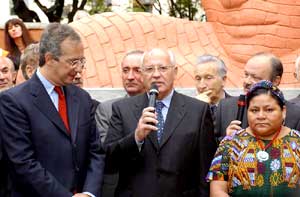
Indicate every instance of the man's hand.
{"type": "Point", "coordinates": [233, 126]}
{"type": "Point", "coordinates": [146, 124]}
{"type": "Point", "coordinates": [205, 96]}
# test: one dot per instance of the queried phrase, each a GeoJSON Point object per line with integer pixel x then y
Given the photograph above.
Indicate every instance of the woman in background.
{"type": "Point", "coordinates": [16, 37]}
{"type": "Point", "coordinates": [264, 158]}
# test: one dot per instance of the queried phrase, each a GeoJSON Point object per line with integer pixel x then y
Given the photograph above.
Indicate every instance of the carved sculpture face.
{"type": "Point", "coordinates": [262, 25]}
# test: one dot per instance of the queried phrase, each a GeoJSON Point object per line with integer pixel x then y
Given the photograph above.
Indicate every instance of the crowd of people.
{"type": "Point", "coordinates": [56, 140]}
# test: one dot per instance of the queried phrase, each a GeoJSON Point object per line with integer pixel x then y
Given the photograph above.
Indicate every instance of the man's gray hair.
{"type": "Point", "coordinates": [133, 52]}
{"type": "Point", "coordinates": [169, 52]}
{"type": "Point", "coordinates": [30, 57]}
{"type": "Point", "coordinates": [206, 58]}
{"type": "Point", "coordinates": [52, 37]}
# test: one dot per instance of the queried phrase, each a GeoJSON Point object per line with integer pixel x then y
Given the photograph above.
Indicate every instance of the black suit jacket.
{"type": "Point", "coordinates": [227, 111]}
{"type": "Point", "coordinates": [296, 100]}
{"type": "Point", "coordinates": [177, 166]}
{"type": "Point", "coordinates": [44, 159]}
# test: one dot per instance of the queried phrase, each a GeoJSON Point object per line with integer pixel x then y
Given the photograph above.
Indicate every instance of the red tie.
{"type": "Point", "coordinates": [62, 107]}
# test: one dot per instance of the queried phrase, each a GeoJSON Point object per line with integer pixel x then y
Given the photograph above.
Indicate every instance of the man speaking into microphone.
{"type": "Point", "coordinates": [164, 150]}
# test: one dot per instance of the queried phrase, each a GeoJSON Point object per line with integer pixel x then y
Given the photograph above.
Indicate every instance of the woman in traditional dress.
{"type": "Point", "coordinates": [264, 158]}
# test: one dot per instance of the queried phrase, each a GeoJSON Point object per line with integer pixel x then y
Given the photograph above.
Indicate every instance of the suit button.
{"type": "Point", "coordinates": [76, 169]}
{"type": "Point", "coordinates": [74, 145]}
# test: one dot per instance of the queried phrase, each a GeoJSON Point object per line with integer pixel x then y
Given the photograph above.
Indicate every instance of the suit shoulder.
{"type": "Point", "coordinates": [292, 107]}
{"type": "Point", "coordinates": [17, 91]}
{"type": "Point", "coordinates": [111, 101]}
{"type": "Point", "coordinates": [129, 100]}
{"type": "Point", "coordinates": [191, 100]}
{"type": "Point", "coordinates": [295, 101]}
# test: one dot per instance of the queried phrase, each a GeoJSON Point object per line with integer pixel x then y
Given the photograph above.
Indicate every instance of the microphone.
{"type": "Point", "coordinates": [152, 95]}
{"type": "Point", "coordinates": [241, 107]}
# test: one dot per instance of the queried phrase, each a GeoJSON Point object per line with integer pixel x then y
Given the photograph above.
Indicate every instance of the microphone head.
{"type": "Point", "coordinates": [242, 100]}
{"type": "Point", "coordinates": [153, 89]}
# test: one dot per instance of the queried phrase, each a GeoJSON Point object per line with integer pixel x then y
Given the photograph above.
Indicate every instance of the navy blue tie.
{"type": "Point", "coordinates": [160, 118]}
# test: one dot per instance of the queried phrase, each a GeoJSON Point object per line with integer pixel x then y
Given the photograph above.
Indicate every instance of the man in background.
{"type": "Point", "coordinates": [166, 153]}
{"type": "Point", "coordinates": [261, 66]}
{"type": "Point", "coordinates": [29, 60]}
{"type": "Point", "coordinates": [210, 78]}
{"type": "Point", "coordinates": [297, 76]}
{"type": "Point", "coordinates": [133, 85]}
{"type": "Point", "coordinates": [7, 73]}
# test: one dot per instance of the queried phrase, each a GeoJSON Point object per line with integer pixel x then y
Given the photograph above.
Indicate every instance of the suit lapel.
{"type": "Point", "coordinates": [73, 109]}
{"type": "Point", "coordinates": [175, 114]}
{"type": "Point", "coordinates": [140, 104]}
{"type": "Point", "coordinates": [43, 102]}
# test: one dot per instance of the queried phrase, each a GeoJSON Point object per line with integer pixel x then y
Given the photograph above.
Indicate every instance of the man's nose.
{"type": "Point", "coordinates": [130, 75]}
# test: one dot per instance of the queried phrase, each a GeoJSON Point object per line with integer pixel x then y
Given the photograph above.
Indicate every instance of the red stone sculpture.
{"type": "Point", "coordinates": [236, 29]}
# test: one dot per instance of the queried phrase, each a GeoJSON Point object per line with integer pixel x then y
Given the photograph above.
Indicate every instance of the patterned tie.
{"type": "Point", "coordinates": [62, 107]}
{"type": "Point", "coordinates": [160, 118]}
{"type": "Point", "coordinates": [213, 110]}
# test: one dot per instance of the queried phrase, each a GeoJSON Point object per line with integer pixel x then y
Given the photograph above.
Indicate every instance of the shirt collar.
{"type": "Point", "coordinates": [48, 86]}
{"type": "Point", "coordinates": [167, 100]}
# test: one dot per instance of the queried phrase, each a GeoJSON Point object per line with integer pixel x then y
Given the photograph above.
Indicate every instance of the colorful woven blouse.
{"type": "Point", "coordinates": [236, 162]}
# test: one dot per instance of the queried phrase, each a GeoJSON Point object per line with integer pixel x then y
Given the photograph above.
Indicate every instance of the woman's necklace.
{"type": "Point", "coordinates": [262, 155]}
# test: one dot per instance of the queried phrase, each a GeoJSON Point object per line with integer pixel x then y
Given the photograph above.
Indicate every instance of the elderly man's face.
{"type": "Point", "coordinates": [131, 74]}
{"type": "Point", "coordinates": [207, 78]}
{"type": "Point", "coordinates": [7, 74]}
{"type": "Point", "coordinates": [157, 68]}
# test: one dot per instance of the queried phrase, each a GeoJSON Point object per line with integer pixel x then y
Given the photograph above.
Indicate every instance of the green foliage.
{"type": "Point", "coordinates": [98, 6]}
{"type": "Point", "coordinates": [184, 8]}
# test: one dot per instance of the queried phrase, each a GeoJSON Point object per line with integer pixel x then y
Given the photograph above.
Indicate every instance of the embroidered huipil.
{"type": "Point", "coordinates": [235, 162]}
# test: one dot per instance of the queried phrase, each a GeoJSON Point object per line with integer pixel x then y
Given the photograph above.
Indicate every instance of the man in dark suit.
{"type": "Point", "coordinates": [133, 85]}
{"type": "Point", "coordinates": [296, 100]}
{"type": "Point", "coordinates": [49, 132]}
{"type": "Point", "coordinates": [262, 66]}
{"type": "Point", "coordinates": [166, 153]}
{"type": "Point", "coordinates": [210, 76]}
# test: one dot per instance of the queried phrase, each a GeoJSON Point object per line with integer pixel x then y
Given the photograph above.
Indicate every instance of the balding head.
{"type": "Point", "coordinates": [7, 73]}
{"type": "Point", "coordinates": [262, 66]}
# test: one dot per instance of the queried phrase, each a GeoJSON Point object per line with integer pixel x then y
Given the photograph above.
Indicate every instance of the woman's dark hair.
{"type": "Point", "coordinates": [266, 87]}
{"type": "Point", "coordinates": [10, 45]}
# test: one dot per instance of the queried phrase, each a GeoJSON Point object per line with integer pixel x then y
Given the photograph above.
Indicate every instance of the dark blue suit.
{"type": "Point", "coordinates": [44, 159]}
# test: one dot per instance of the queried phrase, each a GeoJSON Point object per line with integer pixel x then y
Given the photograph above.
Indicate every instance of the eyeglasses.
{"type": "Point", "coordinates": [75, 63]}
{"type": "Point", "coordinates": [151, 69]}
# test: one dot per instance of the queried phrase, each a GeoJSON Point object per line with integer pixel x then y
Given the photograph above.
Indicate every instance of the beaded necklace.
{"type": "Point", "coordinates": [262, 155]}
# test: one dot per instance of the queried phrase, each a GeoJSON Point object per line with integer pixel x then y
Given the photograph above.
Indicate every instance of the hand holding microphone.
{"type": "Point", "coordinates": [147, 120]}
{"type": "Point", "coordinates": [235, 125]}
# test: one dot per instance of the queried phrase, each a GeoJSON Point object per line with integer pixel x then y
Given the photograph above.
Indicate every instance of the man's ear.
{"type": "Point", "coordinates": [276, 81]}
{"type": "Point", "coordinates": [224, 80]}
{"type": "Point", "coordinates": [14, 76]}
{"type": "Point", "coordinates": [49, 58]}
{"type": "Point", "coordinates": [29, 70]}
